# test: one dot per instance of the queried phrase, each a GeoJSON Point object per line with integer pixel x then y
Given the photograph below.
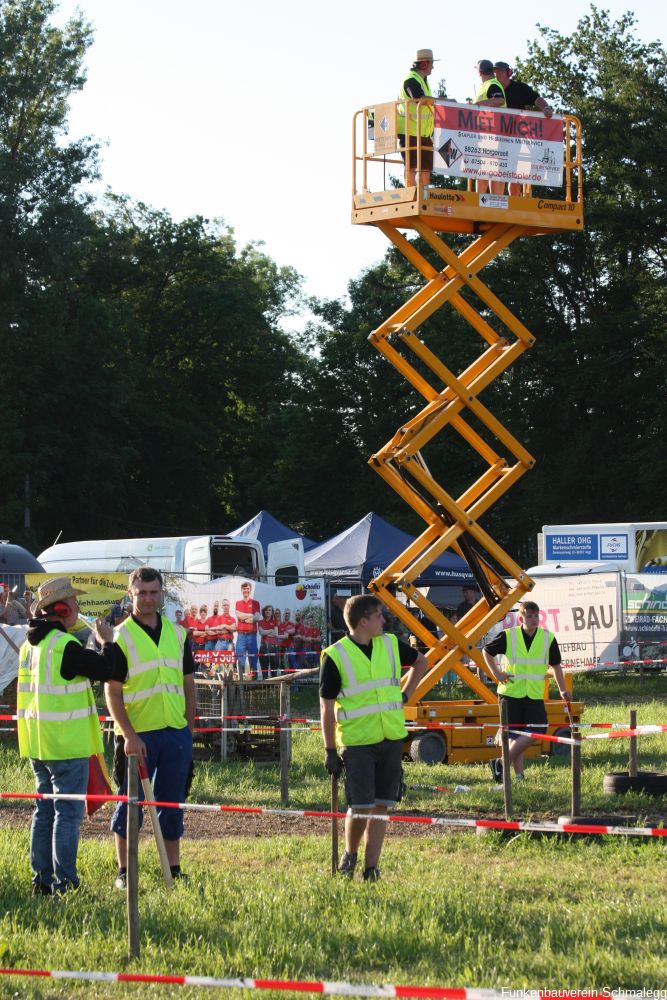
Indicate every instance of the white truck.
{"type": "Point", "coordinates": [197, 557]}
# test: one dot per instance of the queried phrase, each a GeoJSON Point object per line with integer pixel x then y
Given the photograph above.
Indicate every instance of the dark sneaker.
{"type": "Point", "coordinates": [372, 874]}
{"type": "Point", "coordinates": [496, 770]}
{"type": "Point", "coordinates": [40, 889]}
{"type": "Point", "coordinates": [121, 881]}
{"type": "Point", "coordinates": [347, 864]}
{"type": "Point", "coordinates": [520, 776]}
{"type": "Point", "coordinates": [179, 876]}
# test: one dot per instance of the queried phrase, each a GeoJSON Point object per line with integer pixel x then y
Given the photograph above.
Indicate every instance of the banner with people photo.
{"type": "Point", "coordinates": [478, 142]}
{"type": "Point", "coordinates": [260, 628]}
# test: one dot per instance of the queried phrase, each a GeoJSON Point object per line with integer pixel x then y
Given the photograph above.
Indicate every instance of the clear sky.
{"type": "Point", "coordinates": [244, 110]}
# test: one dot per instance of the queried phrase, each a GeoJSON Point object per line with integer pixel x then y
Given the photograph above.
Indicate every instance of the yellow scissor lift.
{"type": "Point", "coordinates": [451, 400]}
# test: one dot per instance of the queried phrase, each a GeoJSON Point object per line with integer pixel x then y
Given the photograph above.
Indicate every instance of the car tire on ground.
{"type": "Point", "coordinates": [429, 748]}
{"type": "Point", "coordinates": [648, 782]}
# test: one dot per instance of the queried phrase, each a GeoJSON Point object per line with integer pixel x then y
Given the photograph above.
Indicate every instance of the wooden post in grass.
{"type": "Point", "coordinates": [575, 760]}
{"type": "Point", "coordinates": [334, 824]}
{"type": "Point", "coordinates": [132, 831]}
{"type": "Point", "coordinates": [505, 744]}
{"type": "Point", "coordinates": [632, 761]}
{"type": "Point", "coordinates": [224, 701]}
{"type": "Point", "coordinates": [284, 745]}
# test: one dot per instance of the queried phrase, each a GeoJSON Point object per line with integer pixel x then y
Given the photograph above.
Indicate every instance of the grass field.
{"type": "Point", "coordinates": [452, 909]}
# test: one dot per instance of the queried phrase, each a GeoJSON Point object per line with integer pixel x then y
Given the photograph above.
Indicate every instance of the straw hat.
{"type": "Point", "coordinates": [57, 589]}
{"type": "Point", "coordinates": [425, 55]}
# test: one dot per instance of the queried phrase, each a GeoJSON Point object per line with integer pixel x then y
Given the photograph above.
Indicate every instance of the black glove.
{"type": "Point", "coordinates": [333, 763]}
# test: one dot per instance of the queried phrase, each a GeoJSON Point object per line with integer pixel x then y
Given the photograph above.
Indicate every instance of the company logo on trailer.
{"type": "Point", "coordinates": [300, 592]}
{"type": "Point", "coordinates": [614, 546]}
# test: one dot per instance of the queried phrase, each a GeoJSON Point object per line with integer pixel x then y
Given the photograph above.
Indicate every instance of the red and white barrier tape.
{"type": "Point", "coordinates": [454, 821]}
{"type": "Point", "coordinates": [322, 986]}
{"type": "Point", "coordinates": [618, 734]}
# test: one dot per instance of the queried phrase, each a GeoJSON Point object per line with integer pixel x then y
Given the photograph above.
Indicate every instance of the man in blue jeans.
{"type": "Point", "coordinates": [151, 699]}
{"type": "Point", "coordinates": [58, 728]}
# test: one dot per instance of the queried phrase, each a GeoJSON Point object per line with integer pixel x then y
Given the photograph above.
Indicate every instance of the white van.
{"type": "Point", "coordinates": [198, 557]}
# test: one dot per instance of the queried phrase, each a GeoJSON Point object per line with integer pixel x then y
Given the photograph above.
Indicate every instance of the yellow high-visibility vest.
{"type": "Point", "coordinates": [426, 117]}
{"type": "Point", "coordinates": [57, 719]}
{"type": "Point", "coordinates": [153, 691]}
{"type": "Point", "coordinates": [369, 707]}
{"type": "Point", "coordinates": [527, 667]}
{"type": "Point", "coordinates": [483, 91]}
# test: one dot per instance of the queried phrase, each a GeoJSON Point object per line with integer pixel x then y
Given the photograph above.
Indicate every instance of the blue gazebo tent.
{"type": "Point", "coordinates": [266, 529]}
{"type": "Point", "coordinates": [366, 548]}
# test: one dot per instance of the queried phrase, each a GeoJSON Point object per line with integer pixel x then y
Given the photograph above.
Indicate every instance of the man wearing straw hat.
{"type": "Point", "coordinates": [58, 727]}
{"type": "Point", "coordinates": [420, 119]}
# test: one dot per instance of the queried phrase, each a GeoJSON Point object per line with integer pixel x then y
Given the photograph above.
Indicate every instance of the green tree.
{"type": "Point", "coordinates": [589, 400]}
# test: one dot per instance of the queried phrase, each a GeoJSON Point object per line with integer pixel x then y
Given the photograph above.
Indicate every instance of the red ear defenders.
{"type": "Point", "coordinates": [60, 609]}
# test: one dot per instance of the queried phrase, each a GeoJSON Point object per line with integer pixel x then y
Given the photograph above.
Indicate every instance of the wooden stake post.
{"type": "Point", "coordinates": [132, 832]}
{"type": "Point", "coordinates": [505, 744]}
{"type": "Point", "coordinates": [632, 761]}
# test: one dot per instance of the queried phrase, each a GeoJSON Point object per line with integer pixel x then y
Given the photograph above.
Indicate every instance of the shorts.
{"type": "Point", "coordinates": [426, 148]}
{"type": "Point", "coordinates": [169, 756]}
{"type": "Point", "coordinates": [528, 714]}
{"type": "Point", "coordinates": [373, 774]}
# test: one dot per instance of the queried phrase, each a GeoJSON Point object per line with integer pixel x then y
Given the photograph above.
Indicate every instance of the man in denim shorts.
{"type": "Point", "coordinates": [361, 708]}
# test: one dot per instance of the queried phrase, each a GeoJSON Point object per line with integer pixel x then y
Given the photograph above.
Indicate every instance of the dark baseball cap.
{"type": "Point", "coordinates": [485, 66]}
{"type": "Point", "coordinates": [499, 64]}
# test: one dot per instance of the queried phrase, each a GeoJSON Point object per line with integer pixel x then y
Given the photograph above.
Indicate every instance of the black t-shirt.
{"type": "Point", "coordinates": [498, 647]}
{"type": "Point", "coordinates": [413, 88]}
{"type": "Point", "coordinates": [330, 682]}
{"type": "Point", "coordinates": [77, 661]}
{"type": "Point", "coordinates": [120, 661]}
{"type": "Point", "coordinates": [519, 95]}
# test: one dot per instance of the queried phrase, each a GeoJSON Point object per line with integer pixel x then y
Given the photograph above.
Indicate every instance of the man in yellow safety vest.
{"type": "Point", "coordinates": [491, 95]}
{"type": "Point", "coordinates": [361, 709]}
{"type": "Point", "coordinates": [420, 119]}
{"type": "Point", "coordinates": [152, 701]}
{"type": "Point", "coordinates": [530, 653]}
{"type": "Point", "coordinates": [58, 727]}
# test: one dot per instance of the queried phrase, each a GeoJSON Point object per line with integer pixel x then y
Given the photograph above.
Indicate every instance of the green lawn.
{"type": "Point", "coordinates": [452, 909]}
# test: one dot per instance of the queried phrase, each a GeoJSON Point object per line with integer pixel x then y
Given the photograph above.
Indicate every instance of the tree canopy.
{"type": "Point", "coordinates": [150, 386]}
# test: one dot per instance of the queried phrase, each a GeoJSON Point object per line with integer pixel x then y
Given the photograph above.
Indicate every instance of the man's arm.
{"type": "Point", "coordinates": [190, 700]}
{"type": "Point", "coordinates": [495, 98]}
{"type": "Point", "coordinates": [542, 106]}
{"type": "Point", "coordinates": [113, 692]}
{"type": "Point", "coordinates": [78, 661]}
{"type": "Point", "coordinates": [414, 675]}
{"type": "Point", "coordinates": [500, 675]}
{"type": "Point", "coordinates": [557, 671]}
{"type": "Point", "coordinates": [328, 722]}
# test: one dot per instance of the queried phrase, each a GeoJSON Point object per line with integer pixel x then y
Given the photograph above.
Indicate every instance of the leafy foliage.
{"type": "Point", "coordinates": [150, 386]}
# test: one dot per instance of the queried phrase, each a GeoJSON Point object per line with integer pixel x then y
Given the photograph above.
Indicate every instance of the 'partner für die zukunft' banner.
{"type": "Point", "coordinates": [478, 142]}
